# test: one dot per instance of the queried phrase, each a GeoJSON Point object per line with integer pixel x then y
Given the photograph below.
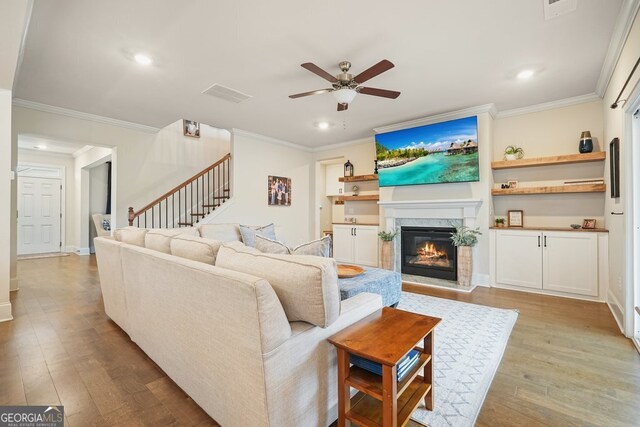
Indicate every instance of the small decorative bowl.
{"type": "Point", "coordinates": [575, 226]}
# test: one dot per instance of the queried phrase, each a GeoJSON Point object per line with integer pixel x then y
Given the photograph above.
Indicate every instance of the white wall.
{"type": "Point", "coordinates": [98, 182]}
{"type": "Point", "coordinates": [614, 126]}
{"type": "Point", "coordinates": [548, 133]}
{"type": "Point", "coordinates": [45, 158]}
{"type": "Point", "coordinates": [6, 216]}
{"type": "Point", "coordinates": [253, 159]}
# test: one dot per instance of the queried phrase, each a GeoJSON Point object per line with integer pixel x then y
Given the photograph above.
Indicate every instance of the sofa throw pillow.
{"type": "Point", "coordinates": [307, 286]}
{"type": "Point", "coordinates": [249, 233]}
{"type": "Point", "coordinates": [159, 239]}
{"type": "Point", "coordinates": [222, 232]}
{"type": "Point", "coordinates": [195, 248]}
{"type": "Point", "coordinates": [266, 245]}
{"type": "Point", "coordinates": [131, 235]}
{"type": "Point", "coordinates": [106, 225]}
{"type": "Point", "coordinates": [320, 247]}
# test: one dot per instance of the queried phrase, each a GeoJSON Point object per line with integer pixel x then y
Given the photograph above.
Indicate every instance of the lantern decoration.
{"type": "Point", "coordinates": [348, 169]}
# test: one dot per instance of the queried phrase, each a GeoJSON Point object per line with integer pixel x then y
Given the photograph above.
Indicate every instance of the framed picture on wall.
{"type": "Point", "coordinates": [191, 128]}
{"type": "Point", "coordinates": [589, 224]}
{"type": "Point", "coordinates": [515, 218]}
{"type": "Point", "coordinates": [279, 191]}
{"type": "Point", "coordinates": [614, 167]}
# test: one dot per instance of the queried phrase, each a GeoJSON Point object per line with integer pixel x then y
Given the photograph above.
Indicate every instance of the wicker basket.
{"type": "Point", "coordinates": [465, 265]}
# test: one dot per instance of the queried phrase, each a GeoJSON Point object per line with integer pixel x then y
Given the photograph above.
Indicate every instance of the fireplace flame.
{"type": "Point", "coordinates": [430, 251]}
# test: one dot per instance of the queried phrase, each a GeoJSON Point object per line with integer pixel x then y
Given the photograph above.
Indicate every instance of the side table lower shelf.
{"type": "Point", "coordinates": [366, 410]}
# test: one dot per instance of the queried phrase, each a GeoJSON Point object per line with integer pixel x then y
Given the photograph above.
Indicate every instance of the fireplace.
{"type": "Point", "coordinates": [429, 252]}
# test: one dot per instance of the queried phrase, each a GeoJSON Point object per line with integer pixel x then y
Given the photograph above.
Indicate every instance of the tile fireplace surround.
{"type": "Point", "coordinates": [428, 213]}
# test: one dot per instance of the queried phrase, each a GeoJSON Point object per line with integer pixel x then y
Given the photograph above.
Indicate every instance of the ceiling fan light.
{"type": "Point", "coordinates": [344, 96]}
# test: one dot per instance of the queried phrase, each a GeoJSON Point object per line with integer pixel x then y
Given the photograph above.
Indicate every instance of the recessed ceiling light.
{"type": "Point", "coordinates": [40, 147]}
{"type": "Point", "coordinates": [525, 74]}
{"type": "Point", "coordinates": [143, 59]}
{"type": "Point", "coordinates": [322, 125]}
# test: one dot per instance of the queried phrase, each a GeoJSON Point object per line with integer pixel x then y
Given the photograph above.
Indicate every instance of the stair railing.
{"type": "Point", "coordinates": [189, 202]}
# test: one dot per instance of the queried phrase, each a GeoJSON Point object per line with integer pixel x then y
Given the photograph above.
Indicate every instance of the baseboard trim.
{"type": "Point", "coordinates": [483, 280]}
{"type": "Point", "coordinates": [5, 312]}
{"type": "Point", "coordinates": [83, 251]}
{"type": "Point", "coordinates": [13, 284]}
{"type": "Point", "coordinates": [547, 293]}
{"type": "Point", "coordinates": [616, 310]}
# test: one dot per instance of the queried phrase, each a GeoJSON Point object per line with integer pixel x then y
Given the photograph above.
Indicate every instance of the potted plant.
{"type": "Point", "coordinates": [386, 257]}
{"type": "Point", "coordinates": [464, 239]}
{"type": "Point", "coordinates": [513, 153]}
{"type": "Point", "coordinates": [499, 222]}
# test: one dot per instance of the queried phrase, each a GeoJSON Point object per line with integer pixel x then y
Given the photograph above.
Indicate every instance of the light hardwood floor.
{"type": "Point", "coordinates": [566, 362]}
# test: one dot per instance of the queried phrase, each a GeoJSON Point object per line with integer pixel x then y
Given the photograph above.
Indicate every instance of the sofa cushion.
{"type": "Point", "coordinates": [222, 232]}
{"type": "Point", "coordinates": [195, 248]}
{"type": "Point", "coordinates": [249, 233]}
{"type": "Point", "coordinates": [320, 247]}
{"type": "Point", "coordinates": [159, 239]}
{"type": "Point", "coordinates": [131, 235]}
{"type": "Point", "coordinates": [307, 286]}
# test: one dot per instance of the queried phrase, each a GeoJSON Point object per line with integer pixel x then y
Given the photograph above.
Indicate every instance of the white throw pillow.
{"type": "Point", "coordinates": [222, 232]}
{"type": "Point", "coordinates": [159, 239]}
{"type": "Point", "coordinates": [195, 248]}
{"type": "Point", "coordinates": [249, 233]}
{"type": "Point", "coordinates": [307, 286]}
{"type": "Point", "coordinates": [320, 247]}
{"type": "Point", "coordinates": [131, 235]}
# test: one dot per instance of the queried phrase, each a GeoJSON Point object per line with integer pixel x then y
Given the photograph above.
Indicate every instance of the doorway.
{"type": "Point", "coordinates": [39, 210]}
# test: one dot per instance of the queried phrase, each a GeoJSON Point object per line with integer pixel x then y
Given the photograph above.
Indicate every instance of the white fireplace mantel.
{"type": "Point", "coordinates": [465, 209]}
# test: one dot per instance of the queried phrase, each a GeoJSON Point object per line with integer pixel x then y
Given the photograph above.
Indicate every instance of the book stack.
{"type": "Point", "coordinates": [404, 366]}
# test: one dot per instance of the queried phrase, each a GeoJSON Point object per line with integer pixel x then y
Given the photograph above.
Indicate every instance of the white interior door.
{"type": "Point", "coordinates": [38, 215]}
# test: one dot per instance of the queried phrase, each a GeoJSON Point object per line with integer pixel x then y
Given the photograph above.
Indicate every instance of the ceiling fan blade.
{"type": "Point", "coordinates": [313, 92]}
{"type": "Point", "coordinates": [342, 107]}
{"type": "Point", "coordinates": [379, 92]}
{"type": "Point", "coordinates": [370, 73]}
{"type": "Point", "coordinates": [319, 71]}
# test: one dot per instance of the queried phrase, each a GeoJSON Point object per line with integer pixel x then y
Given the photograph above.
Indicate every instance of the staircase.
{"type": "Point", "coordinates": [189, 202]}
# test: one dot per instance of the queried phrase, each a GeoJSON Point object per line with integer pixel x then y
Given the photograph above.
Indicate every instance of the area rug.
{"type": "Point", "coordinates": [469, 344]}
{"type": "Point", "coordinates": [47, 255]}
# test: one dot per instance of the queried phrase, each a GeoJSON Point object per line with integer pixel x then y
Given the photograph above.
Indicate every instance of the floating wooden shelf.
{"type": "Point", "coordinates": [358, 178]}
{"type": "Point", "coordinates": [548, 161]}
{"type": "Point", "coordinates": [363, 198]}
{"type": "Point", "coordinates": [573, 230]}
{"type": "Point", "coordinates": [585, 188]}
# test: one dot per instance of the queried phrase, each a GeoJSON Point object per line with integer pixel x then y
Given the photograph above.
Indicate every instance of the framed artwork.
{"type": "Point", "coordinates": [279, 191]}
{"type": "Point", "coordinates": [515, 218]}
{"type": "Point", "coordinates": [589, 223]}
{"type": "Point", "coordinates": [191, 128]}
{"type": "Point", "coordinates": [512, 184]}
{"type": "Point", "coordinates": [614, 167]}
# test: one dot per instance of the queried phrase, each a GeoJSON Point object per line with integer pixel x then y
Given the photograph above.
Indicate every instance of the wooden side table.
{"type": "Point", "coordinates": [385, 337]}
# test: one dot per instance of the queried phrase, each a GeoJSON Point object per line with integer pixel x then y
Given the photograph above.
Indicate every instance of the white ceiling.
{"type": "Point", "coordinates": [45, 145]}
{"type": "Point", "coordinates": [448, 55]}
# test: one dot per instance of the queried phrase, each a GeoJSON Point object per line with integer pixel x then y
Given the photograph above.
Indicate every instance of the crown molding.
{"type": "Point", "coordinates": [240, 132]}
{"type": "Point", "coordinates": [566, 102]}
{"type": "Point", "coordinates": [452, 115]}
{"type": "Point", "coordinates": [625, 20]}
{"type": "Point", "coordinates": [23, 103]}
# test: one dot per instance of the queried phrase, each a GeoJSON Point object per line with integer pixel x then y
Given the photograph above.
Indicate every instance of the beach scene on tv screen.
{"type": "Point", "coordinates": [431, 154]}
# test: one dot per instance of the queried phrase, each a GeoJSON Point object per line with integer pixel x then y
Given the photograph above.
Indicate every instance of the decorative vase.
{"type": "Point", "coordinates": [510, 157]}
{"type": "Point", "coordinates": [386, 257]}
{"type": "Point", "coordinates": [465, 265]}
{"type": "Point", "coordinates": [586, 143]}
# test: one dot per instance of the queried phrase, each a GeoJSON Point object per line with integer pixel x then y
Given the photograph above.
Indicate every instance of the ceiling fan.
{"type": "Point", "coordinates": [346, 86]}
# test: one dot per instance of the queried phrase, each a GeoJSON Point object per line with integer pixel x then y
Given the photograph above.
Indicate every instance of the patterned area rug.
{"type": "Point", "coordinates": [469, 344]}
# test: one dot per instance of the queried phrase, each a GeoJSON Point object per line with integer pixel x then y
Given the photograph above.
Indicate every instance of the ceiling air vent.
{"type": "Point", "coordinates": [555, 8]}
{"type": "Point", "coordinates": [227, 93]}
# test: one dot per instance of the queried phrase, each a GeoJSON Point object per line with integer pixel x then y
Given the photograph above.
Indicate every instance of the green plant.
{"type": "Point", "coordinates": [387, 236]}
{"type": "Point", "coordinates": [515, 151]}
{"type": "Point", "coordinates": [499, 221]}
{"type": "Point", "coordinates": [465, 236]}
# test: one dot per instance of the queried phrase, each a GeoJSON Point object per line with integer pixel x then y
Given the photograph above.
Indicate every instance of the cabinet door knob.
{"type": "Point", "coordinates": [538, 241]}
{"type": "Point", "coordinates": [545, 241]}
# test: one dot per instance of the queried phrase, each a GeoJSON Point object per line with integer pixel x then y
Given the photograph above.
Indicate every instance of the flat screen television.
{"type": "Point", "coordinates": [431, 154]}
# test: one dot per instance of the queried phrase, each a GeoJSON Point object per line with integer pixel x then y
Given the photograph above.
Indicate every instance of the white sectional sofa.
{"type": "Point", "coordinates": [250, 349]}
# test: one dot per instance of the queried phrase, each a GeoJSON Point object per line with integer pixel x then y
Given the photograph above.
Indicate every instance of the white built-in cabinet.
{"type": "Point", "coordinates": [356, 244]}
{"type": "Point", "coordinates": [557, 261]}
{"type": "Point", "coordinates": [332, 185]}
